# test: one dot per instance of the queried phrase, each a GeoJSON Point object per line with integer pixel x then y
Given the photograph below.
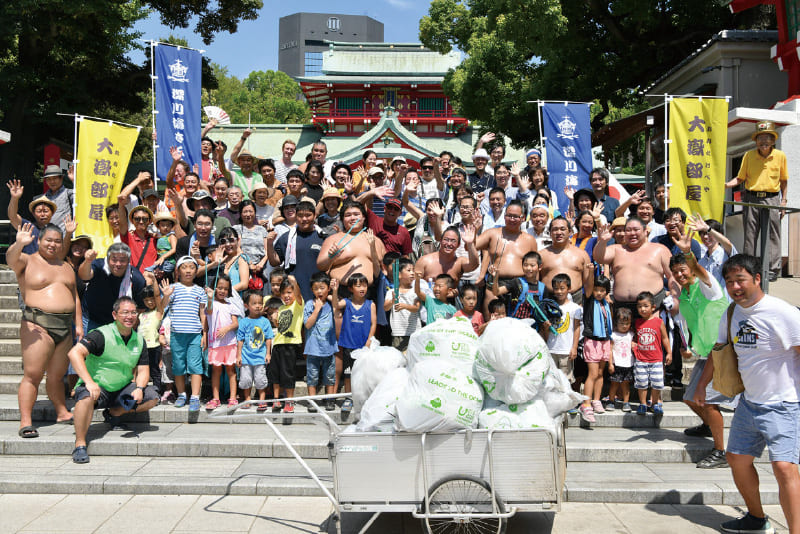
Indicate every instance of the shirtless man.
{"type": "Point", "coordinates": [445, 261]}
{"type": "Point", "coordinates": [503, 249]}
{"type": "Point", "coordinates": [51, 300]}
{"type": "Point", "coordinates": [636, 266]}
{"type": "Point", "coordinates": [564, 257]}
{"type": "Point", "coordinates": [341, 257]}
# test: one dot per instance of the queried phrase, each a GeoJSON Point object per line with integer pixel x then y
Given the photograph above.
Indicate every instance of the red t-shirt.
{"type": "Point", "coordinates": [136, 243]}
{"type": "Point", "coordinates": [649, 347]}
{"type": "Point", "coordinates": [395, 238]}
{"type": "Point", "coordinates": [476, 320]}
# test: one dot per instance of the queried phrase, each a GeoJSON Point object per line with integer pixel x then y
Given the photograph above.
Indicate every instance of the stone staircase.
{"type": "Point", "coordinates": [623, 458]}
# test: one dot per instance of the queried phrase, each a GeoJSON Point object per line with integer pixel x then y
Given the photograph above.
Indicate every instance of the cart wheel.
{"type": "Point", "coordinates": [464, 495]}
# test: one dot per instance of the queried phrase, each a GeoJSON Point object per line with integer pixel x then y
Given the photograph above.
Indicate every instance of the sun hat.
{"type": "Point", "coordinates": [200, 194]}
{"type": "Point", "coordinates": [765, 127]}
{"type": "Point", "coordinates": [140, 208]}
{"type": "Point", "coordinates": [41, 199]}
{"type": "Point", "coordinates": [480, 153]}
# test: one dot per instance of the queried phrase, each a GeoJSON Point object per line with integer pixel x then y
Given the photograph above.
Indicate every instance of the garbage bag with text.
{"type": "Point", "coordinates": [532, 414]}
{"type": "Point", "coordinates": [371, 365]}
{"type": "Point", "coordinates": [452, 338]}
{"type": "Point", "coordinates": [512, 361]}
{"type": "Point", "coordinates": [377, 414]}
{"type": "Point", "coordinates": [438, 396]}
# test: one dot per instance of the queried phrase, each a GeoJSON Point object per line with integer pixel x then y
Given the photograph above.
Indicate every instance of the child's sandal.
{"type": "Point", "coordinates": [212, 404]}
{"type": "Point", "coordinates": [232, 403]}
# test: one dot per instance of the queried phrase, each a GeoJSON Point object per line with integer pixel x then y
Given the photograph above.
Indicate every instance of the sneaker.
{"type": "Point", "coordinates": [587, 414]}
{"type": "Point", "coordinates": [610, 407]}
{"type": "Point", "coordinates": [626, 407]}
{"type": "Point", "coordinates": [288, 408]}
{"type": "Point", "coordinates": [748, 523]}
{"type": "Point", "coordinates": [347, 406]}
{"type": "Point", "coordinates": [658, 409]}
{"type": "Point", "coordinates": [180, 402]}
{"type": "Point", "coordinates": [311, 408]}
{"type": "Point", "coordinates": [713, 460]}
{"type": "Point", "coordinates": [597, 406]}
{"type": "Point", "coordinates": [642, 409]}
{"type": "Point", "coordinates": [194, 404]}
{"type": "Point", "coordinates": [699, 431]}
{"type": "Point", "coordinates": [572, 411]}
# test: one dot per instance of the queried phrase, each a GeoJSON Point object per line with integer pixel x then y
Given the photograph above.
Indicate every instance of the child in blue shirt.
{"type": "Point", "coordinates": [320, 339]}
{"type": "Point", "coordinates": [357, 326]}
{"type": "Point", "coordinates": [254, 348]}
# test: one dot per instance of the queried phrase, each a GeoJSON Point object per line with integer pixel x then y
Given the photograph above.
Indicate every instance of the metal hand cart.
{"type": "Point", "coordinates": [464, 481]}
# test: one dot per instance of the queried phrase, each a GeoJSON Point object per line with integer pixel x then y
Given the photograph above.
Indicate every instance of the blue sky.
{"type": "Point", "coordinates": [255, 45]}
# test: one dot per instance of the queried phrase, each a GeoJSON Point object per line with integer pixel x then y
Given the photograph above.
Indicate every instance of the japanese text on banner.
{"type": "Point", "coordinates": [104, 150]}
{"type": "Point", "coordinates": [698, 130]}
{"type": "Point", "coordinates": [177, 85]}
{"type": "Point", "coordinates": [568, 147]}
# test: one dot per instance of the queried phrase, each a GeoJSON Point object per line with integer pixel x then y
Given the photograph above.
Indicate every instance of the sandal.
{"type": "Point", "coordinates": [232, 403]}
{"type": "Point", "coordinates": [80, 455]}
{"type": "Point", "coordinates": [261, 407]}
{"type": "Point", "coordinates": [212, 404]}
{"type": "Point", "coordinates": [28, 432]}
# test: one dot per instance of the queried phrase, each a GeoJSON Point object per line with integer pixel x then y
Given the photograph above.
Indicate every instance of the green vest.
{"type": "Point", "coordinates": [113, 370]}
{"type": "Point", "coordinates": [702, 317]}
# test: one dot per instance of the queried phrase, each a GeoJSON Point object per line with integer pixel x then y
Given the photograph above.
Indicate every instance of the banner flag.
{"type": "Point", "coordinates": [177, 85]}
{"type": "Point", "coordinates": [568, 147]}
{"type": "Point", "coordinates": [698, 132]}
{"type": "Point", "coordinates": [104, 150]}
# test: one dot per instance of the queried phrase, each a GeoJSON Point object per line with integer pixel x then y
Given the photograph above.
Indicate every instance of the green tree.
{"type": "Point", "coordinates": [581, 50]}
{"type": "Point", "coordinates": [270, 97]}
{"type": "Point", "coordinates": [66, 56]}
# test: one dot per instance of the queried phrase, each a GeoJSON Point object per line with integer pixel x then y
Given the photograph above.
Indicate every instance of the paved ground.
{"type": "Point", "coordinates": [278, 515]}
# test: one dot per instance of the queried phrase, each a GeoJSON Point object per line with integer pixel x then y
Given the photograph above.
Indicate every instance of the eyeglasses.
{"type": "Point", "coordinates": [511, 216]}
{"type": "Point", "coordinates": [141, 219]}
{"type": "Point", "coordinates": [227, 241]}
{"type": "Point", "coordinates": [427, 167]}
{"type": "Point", "coordinates": [127, 313]}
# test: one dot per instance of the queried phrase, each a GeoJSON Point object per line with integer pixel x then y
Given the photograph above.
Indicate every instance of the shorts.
{"type": "Point", "coordinates": [712, 395]}
{"type": "Point", "coordinates": [400, 342]}
{"type": "Point", "coordinates": [222, 355]}
{"type": "Point", "coordinates": [282, 364]}
{"type": "Point", "coordinates": [651, 373]}
{"type": "Point", "coordinates": [187, 354]}
{"type": "Point", "coordinates": [774, 425]}
{"type": "Point", "coordinates": [113, 399]}
{"type": "Point", "coordinates": [250, 375]}
{"type": "Point", "coordinates": [595, 350]}
{"type": "Point", "coordinates": [621, 374]}
{"type": "Point", "coordinates": [348, 361]}
{"type": "Point", "coordinates": [324, 366]}
{"type": "Point", "coordinates": [563, 362]}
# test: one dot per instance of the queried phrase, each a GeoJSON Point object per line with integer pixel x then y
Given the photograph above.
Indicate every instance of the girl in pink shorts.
{"type": "Point", "coordinates": [222, 325]}
{"type": "Point", "coordinates": [597, 330]}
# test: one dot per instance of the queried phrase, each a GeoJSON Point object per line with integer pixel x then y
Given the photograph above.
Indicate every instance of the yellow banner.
{"type": "Point", "coordinates": [698, 130]}
{"type": "Point", "coordinates": [104, 150]}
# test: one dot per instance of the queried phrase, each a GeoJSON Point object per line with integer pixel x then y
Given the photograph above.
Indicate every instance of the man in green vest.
{"type": "Point", "coordinates": [702, 305]}
{"type": "Point", "coordinates": [105, 360]}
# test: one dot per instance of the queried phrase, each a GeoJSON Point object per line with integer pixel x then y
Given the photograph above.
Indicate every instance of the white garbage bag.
{"type": "Point", "coordinates": [512, 361]}
{"type": "Point", "coordinates": [377, 414]}
{"type": "Point", "coordinates": [556, 393]}
{"type": "Point", "coordinates": [370, 366]}
{"type": "Point", "coordinates": [452, 338]}
{"type": "Point", "coordinates": [532, 414]}
{"type": "Point", "coordinates": [438, 396]}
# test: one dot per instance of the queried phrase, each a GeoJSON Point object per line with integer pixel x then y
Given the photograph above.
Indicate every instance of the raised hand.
{"type": "Point", "coordinates": [71, 172]}
{"type": "Point", "coordinates": [468, 234]}
{"type": "Point", "coordinates": [246, 133]}
{"type": "Point", "coordinates": [488, 137]}
{"type": "Point", "coordinates": [25, 234]}
{"type": "Point", "coordinates": [412, 186]}
{"type": "Point", "coordinates": [637, 197]}
{"type": "Point", "coordinates": [166, 288]}
{"type": "Point", "coordinates": [219, 149]}
{"type": "Point", "coordinates": [685, 241]}
{"type": "Point", "coordinates": [604, 233]}
{"type": "Point", "coordinates": [515, 170]}
{"type": "Point", "coordinates": [196, 168]}
{"type": "Point", "coordinates": [569, 192]}
{"type": "Point", "coordinates": [349, 186]}
{"type": "Point", "coordinates": [361, 171]}
{"type": "Point", "coordinates": [383, 192]}
{"type": "Point", "coordinates": [122, 200]}
{"type": "Point", "coordinates": [438, 211]}
{"type": "Point", "coordinates": [212, 123]}
{"type": "Point", "coordinates": [697, 223]}
{"type": "Point", "coordinates": [174, 196]}
{"type": "Point", "coordinates": [15, 188]}
{"type": "Point", "coordinates": [597, 210]}
{"type": "Point", "coordinates": [176, 153]}
{"type": "Point", "coordinates": [370, 237]}
{"type": "Point", "coordinates": [164, 285]}
{"type": "Point", "coordinates": [89, 256]}
{"type": "Point", "coordinates": [70, 225]}
{"type": "Point", "coordinates": [334, 284]}
{"type": "Point", "coordinates": [524, 182]}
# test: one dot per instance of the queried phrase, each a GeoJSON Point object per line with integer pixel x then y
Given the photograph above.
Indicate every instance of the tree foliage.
{"type": "Point", "coordinates": [270, 97]}
{"type": "Point", "coordinates": [70, 57]}
{"type": "Point", "coordinates": [581, 50]}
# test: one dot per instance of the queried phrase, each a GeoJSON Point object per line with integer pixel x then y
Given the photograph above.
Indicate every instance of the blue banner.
{"type": "Point", "coordinates": [568, 147]}
{"type": "Point", "coordinates": [178, 74]}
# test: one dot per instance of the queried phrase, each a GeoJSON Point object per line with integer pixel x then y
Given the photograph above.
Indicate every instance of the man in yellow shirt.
{"type": "Point", "coordinates": [765, 178]}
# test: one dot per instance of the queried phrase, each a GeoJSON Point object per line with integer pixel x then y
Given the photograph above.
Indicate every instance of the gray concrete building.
{"type": "Point", "coordinates": [301, 38]}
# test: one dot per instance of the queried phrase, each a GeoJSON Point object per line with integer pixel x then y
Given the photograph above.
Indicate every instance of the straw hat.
{"type": "Point", "coordinates": [331, 192]}
{"type": "Point", "coordinates": [140, 208]}
{"type": "Point", "coordinates": [765, 127]}
{"type": "Point", "coordinates": [619, 221]}
{"type": "Point", "coordinates": [164, 216]}
{"type": "Point", "coordinates": [82, 236]}
{"type": "Point", "coordinates": [41, 199]}
{"type": "Point", "coordinates": [244, 152]}
{"type": "Point", "coordinates": [259, 186]}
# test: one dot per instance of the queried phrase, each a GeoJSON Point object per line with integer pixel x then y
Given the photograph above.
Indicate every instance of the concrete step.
{"type": "Point", "coordinates": [7, 276]}
{"type": "Point", "coordinates": [652, 483]}
{"type": "Point", "coordinates": [9, 301]}
{"type": "Point", "coordinates": [10, 366]}
{"type": "Point", "coordinates": [10, 347]}
{"type": "Point", "coordinates": [9, 385]}
{"type": "Point", "coordinates": [9, 330]}
{"type": "Point", "coordinates": [9, 290]}
{"type": "Point", "coordinates": [10, 315]}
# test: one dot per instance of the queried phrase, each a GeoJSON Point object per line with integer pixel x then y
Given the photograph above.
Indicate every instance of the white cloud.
{"type": "Point", "coordinates": [400, 4]}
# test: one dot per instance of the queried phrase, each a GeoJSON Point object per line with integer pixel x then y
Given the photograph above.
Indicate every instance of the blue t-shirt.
{"type": "Point", "coordinates": [254, 333]}
{"type": "Point", "coordinates": [356, 324]}
{"type": "Point", "coordinates": [320, 338]}
{"type": "Point", "coordinates": [383, 286]}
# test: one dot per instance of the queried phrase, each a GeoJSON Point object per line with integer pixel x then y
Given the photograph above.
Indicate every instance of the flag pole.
{"type": "Point", "coordinates": [667, 141]}
{"type": "Point", "coordinates": [539, 106]}
{"type": "Point", "coordinates": [153, 103]}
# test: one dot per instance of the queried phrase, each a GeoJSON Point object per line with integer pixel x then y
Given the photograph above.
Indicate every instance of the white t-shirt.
{"type": "Point", "coordinates": [621, 348]}
{"type": "Point", "coordinates": [404, 322]}
{"type": "Point", "coordinates": [763, 337]}
{"type": "Point", "coordinates": [561, 343]}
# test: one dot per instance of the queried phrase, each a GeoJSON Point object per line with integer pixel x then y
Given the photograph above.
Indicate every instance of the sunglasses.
{"type": "Point", "coordinates": [227, 241]}
{"type": "Point", "coordinates": [427, 167]}
{"type": "Point", "coordinates": [141, 219]}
